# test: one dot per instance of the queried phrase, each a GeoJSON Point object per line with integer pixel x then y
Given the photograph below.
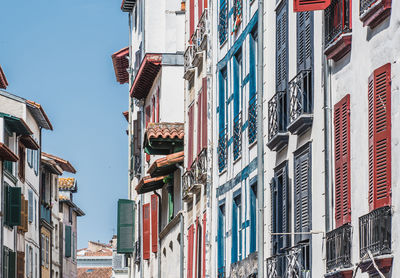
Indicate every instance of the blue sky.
{"type": "Point", "coordinates": [58, 53]}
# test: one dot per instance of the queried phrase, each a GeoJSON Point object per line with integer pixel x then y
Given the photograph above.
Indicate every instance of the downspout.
{"type": "Point", "coordinates": [158, 232]}
{"type": "Point", "coordinates": [182, 250]}
{"type": "Point", "coordinates": [260, 137]}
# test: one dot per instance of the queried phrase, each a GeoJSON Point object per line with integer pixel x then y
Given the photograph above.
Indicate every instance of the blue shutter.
{"type": "Point", "coordinates": [237, 61]}
{"type": "Point", "coordinates": [235, 231]}
{"type": "Point", "coordinates": [252, 70]}
{"type": "Point", "coordinates": [221, 237]}
{"type": "Point", "coordinates": [253, 218]}
{"type": "Point", "coordinates": [68, 235]}
{"type": "Point", "coordinates": [221, 104]}
{"type": "Point", "coordinates": [30, 201]}
{"type": "Point", "coordinates": [282, 57]}
{"type": "Point", "coordinates": [305, 30]}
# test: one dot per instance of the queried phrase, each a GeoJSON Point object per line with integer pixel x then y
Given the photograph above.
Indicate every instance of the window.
{"type": "Point", "coordinates": [12, 205]}
{"type": "Point", "coordinates": [56, 236]}
{"type": "Point", "coordinates": [252, 117]}
{"type": "Point", "coordinates": [253, 218]}
{"type": "Point", "coordinates": [237, 94]}
{"type": "Point", "coordinates": [30, 202]}
{"type": "Point", "coordinates": [282, 57]}
{"type": "Point", "coordinates": [9, 142]}
{"type": "Point", "coordinates": [70, 212]}
{"type": "Point", "coordinates": [223, 22]}
{"type": "Point", "coordinates": [222, 138]}
{"type": "Point", "coordinates": [47, 251]}
{"type": "Point", "coordinates": [190, 251]}
{"type": "Point", "coordinates": [199, 250]}
{"type": "Point", "coordinates": [190, 135]}
{"type": "Point", "coordinates": [21, 162]}
{"type": "Point", "coordinates": [236, 228]}
{"type": "Point", "coordinates": [221, 240]}
{"type": "Point", "coordinates": [31, 262]}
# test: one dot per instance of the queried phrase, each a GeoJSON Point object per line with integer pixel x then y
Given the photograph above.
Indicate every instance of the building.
{"type": "Point", "coordinates": [95, 261]}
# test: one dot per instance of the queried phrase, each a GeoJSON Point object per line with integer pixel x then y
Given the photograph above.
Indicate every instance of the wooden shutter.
{"type": "Point", "coordinates": [26, 215]}
{"type": "Point", "coordinates": [305, 30]}
{"type": "Point", "coordinates": [282, 61]}
{"type": "Point", "coordinates": [302, 194]}
{"type": "Point", "coordinates": [190, 252]}
{"type": "Point", "coordinates": [138, 135]}
{"type": "Point", "coordinates": [15, 206]}
{"type": "Point", "coordinates": [200, 9]}
{"type": "Point", "coordinates": [125, 226]}
{"type": "Point", "coordinates": [196, 254]}
{"type": "Point", "coordinates": [11, 264]}
{"type": "Point", "coordinates": [158, 105]}
{"type": "Point", "coordinates": [68, 235]}
{"type": "Point", "coordinates": [342, 161]}
{"type": "Point", "coordinates": [20, 265]}
{"type": "Point", "coordinates": [190, 137]}
{"type": "Point", "coordinates": [191, 19]}
{"type": "Point", "coordinates": [203, 275]}
{"type": "Point", "coordinates": [136, 150]}
{"type": "Point", "coordinates": [285, 207]}
{"type": "Point", "coordinates": [21, 162]}
{"type": "Point", "coordinates": [204, 114]}
{"type": "Point", "coordinates": [310, 5]}
{"type": "Point", "coordinates": [23, 227]}
{"type": "Point", "coordinates": [199, 125]}
{"type": "Point", "coordinates": [146, 231]}
{"type": "Point", "coordinates": [154, 223]}
{"type": "Point", "coordinates": [379, 125]}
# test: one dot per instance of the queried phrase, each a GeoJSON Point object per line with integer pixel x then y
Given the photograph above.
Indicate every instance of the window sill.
{"type": "Point", "coordinates": [11, 177]}
{"type": "Point", "coordinates": [337, 49]}
{"type": "Point", "coordinates": [222, 172]}
{"type": "Point", "coordinates": [377, 13]}
{"type": "Point", "coordinates": [278, 142]}
{"type": "Point", "coordinates": [252, 144]}
{"type": "Point", "coordinates": [237, 159]}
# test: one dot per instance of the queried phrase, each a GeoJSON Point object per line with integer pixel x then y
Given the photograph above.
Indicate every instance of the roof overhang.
{"type": "Point", "coordinates": [3, 79]}
{"type": "Point", "coordinates": [78, 211]}
{"type": "Point", "coordinates": [6, 154]}
{"type": "Point", "coordinates": [163, 138]}
{"type": "Point", "coordinates": [38, 113]}
{"type": "Point", "coordinates": [29, 142]}
{"type": "Point", "coordinates": [64, 164]}
{"type": "Point", "coordinates": [126, 115]}
{"type": "Point", "coordinates": [16, 124]}
{"type": "Point", "coordinates": [121, 64]}
{"type": "Point", "coordinates": [166, 165]}
{"type": "Point", "coordinates": [52, 166]}
{"type": "Point", "coordinates": [127, 5]}
{"type": "Point", "coordinates": [147, 73]}
{"type": "Point", "coordinates": [149, 184]}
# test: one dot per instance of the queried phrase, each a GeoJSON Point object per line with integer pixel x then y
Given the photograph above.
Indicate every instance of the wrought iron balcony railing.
{"type": "Point", "coordinates": [275, 266]}
{"type": "Point", "coordinates": [222, 149]}
{"type": "Point", "coordinates": [376, 232]}
{"type": "Point", "coordinates": [188, 58]}
{"type": "Point", "coordinates": [252, 119]}
{"type": "Point", "coordinates": [298, 261]}
{"type": "Point", "coordinates": [188, 181]}
{"type": "Point", "coordinates": [337, 20]}
{"type": "Point", "coordinates": [338, 248]}
{"type": "Point", "coordinates": [137, 252]}
{"type": "Point", "coordinates": [237, 136]}
{"type": "Point", "coordinates": [138, 165]}
{"type": "Point", "coordinates": [202, 27]}
{"type": "Point", "coordinates": [221, 272]}
{"type": "Point", "coordinates": [201, 167]}
{"type": "Point", "coordinates": [223, 22]}
{"type": "Point", "coordinates": [277, 121]}
{"type": "Point", "coordinates": [300, 102]}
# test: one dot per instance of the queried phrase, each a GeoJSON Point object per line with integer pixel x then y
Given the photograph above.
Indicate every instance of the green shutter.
{"type": "Point", "coordinates": [5, 262]}
{"type": "Point", "coordinates": [170, 203]}
{"type": "Point", "coordinates": [68, 241]}
{"type": "Point", "coordinates": [6, 204]}
{"type": "Point", "coordinates": [14, 206]}
{"type": "Point", "coordinates": [11, 264]}
{"type": "Point", "coordinates": [126, 226]}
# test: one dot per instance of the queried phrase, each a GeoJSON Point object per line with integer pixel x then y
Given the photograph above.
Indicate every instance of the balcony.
{"type": "Point", "coordinates": [221, 272]}
{"type": "Point", "coordinates": [252, 118]}
{"type": "Point", "coordinates": [278, 136]}
{"type": "Point", "coordinates": [223, 22]}
{"type": "Point", "coordinates": [201, 167]}
{"type": "Point", "coordinates": [275, 266]}
{"type": "Point", "coordinates": [138, 165]}
{"type": "Point", "coordinates": [45, 213]}
{"type": "Point", "coordinates": [246, 267]}
{"type": "Point", "coordinates": [338, 248]}
{"type": "Point", "coordinates": [188, 180]}
{"type": "Point", "coordinates": [301, 102]}
{"type": "Point", "coordinates": [237, 136]}
{"type": "Point", "coordinates": [188, 62]}
{"type": "Point", "coordinates": [373, 12]}
{"type": "Point", "coordinates": [222, 150]}
{"type": "Point", "coordinates": [202, 27]}
{"type": "Point", "coordinates": [337, 29]}
{"type": "Point", "coordinates": [137, 252]}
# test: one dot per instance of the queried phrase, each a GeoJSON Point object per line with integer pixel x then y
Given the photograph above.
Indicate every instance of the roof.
{"type": "Point", "coordinates": [165, 130]}
{"type": "Point", "coordinates": [166, 165]}
{"type": "Point", "coordinates": [29, 142]}
{"type": "Point", "coordinates": [52, 166]}
{"type": "Point", "coordinates": [3, 79]}
{"type": "Point", "coordinates": [64, 199]}
{"type": "Point", "coordinates": [127, 5]}
{"type": "Point", "coordinates": [91, 272]}
{"type": "Point", "coordinates": [121, 64]}
{"type": "Point", "coordinates": [126, 115]}
{"type": "Point", "coordinates": [38, 113]}
{"type": "Point", "coordinates": [64, 164]}
{"type": "Point", "coordinates": [7, 154]}
{"type": "Point", "coordinates": [17, 125]}
{"type": "Point", "coordinates": [163, 138]}
{"type": "Point", "coordinates": [148, 184]}
{"type": "Point", "coordinates": [148, 70]}
{"type": "Point", "coordinates": [67, 184]}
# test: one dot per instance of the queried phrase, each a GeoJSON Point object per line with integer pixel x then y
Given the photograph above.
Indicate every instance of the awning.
{"type": "Point", "coordinates": [38, 113]}
{"type": "Point", "coordinates": [127, 5]}
{"type": "Point", "coordinates": [3, 80]}
{"type": "Point", "coordinates": [149, 184]}
{"type": "Point", "coordinates": [29, 142]}
{"type": "Point", "coordinates": [6, 154]}
{"type": "Point", "coordinates": [166, 165]}
{"type": "Point", "coordinates": [145, 76]}
{"type": "Point", "coordinates": [121, 65]}
{"type": "Point", "coordinates": [64, 164]}
{"type": "Point", "coordinates": [164, 138]}
{"type": "Point", "coordinates": [16, 125]}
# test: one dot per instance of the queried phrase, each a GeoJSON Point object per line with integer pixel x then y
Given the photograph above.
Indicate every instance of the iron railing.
{"type": "Point", "coordinates": [201, 166]}
{"type": "Point", "coordinates": [300, 95]}
{"type": "Point", "coordinates": [338, 248]}
{"type": "Point", "coordinates": [277, 114]}
{"type": "Point", "coordinates": [376, 232]}
{"type": "Point", "coordinates": [337, 20]}
{"type": "Point", "coordinates": [137, 251]}
{"type": "Point", "coordinates": [221, 272]}
{"type": "Point", "coordinates": [275, 266]}
{"type": "Point", "coordinates": [222, 149]}
{"type": "Point", "coordinates": [252, 119]}
{"type": "Point", "coordinates": [188, 57]}
{"type": "Point", "coordinates": [188, 181]}
{"type": "Point", "coordinates": [365, 5]}
{"type": "Point", "coordinates": [196, 40]}
{"type": "Point", "coordinates": [138, 165]}
{"type": "Point", "coordinates": [202, 26]}
{"type": "Point", "coordinates": [237, 136]}
{"type": "Point", "coordinates": [223, 22]}
{"type": "Point", "coordinates": [298, 261]}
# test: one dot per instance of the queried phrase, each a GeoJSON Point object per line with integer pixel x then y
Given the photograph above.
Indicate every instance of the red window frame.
{"type": "Point", "coordinates": [146, 231]}
{"type": "Point", "coordinates": [190, 252]}
{"type": "Point", "coordinates": [310, 5]}
{"type": "Point", "coordinates": [154, 223]}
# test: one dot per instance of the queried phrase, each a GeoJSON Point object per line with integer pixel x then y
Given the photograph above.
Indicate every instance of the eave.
{"type": "Point", "coordinates": [29, 142]}
{"type": "Point", "coordinates": [78, 211]}
{"type": "Point", "coordinates": [149, 184]}
{"type": "Point", "coordinates": [127, 5]}
{"type": "Point", "coordinates": [6, 154]}
{"type": "Point", "coordinates": [163, 138]}
{"type": "Point", "coordinates": [3, 79]}
{"type": "Point", "coordinates": [17, 125]}
{"type": "Point", "coordinates": [126, 115]}
{"type": "Point", "coordinates": [121, 64]}
{"type": "Point", "coordinates": [148, 70]}
{"type": "Point", "coordinates": [51, 166]}
{"type": "Point", "coordinates": [38, 113]}
{"type": "Point", "coordinates": [64, 164]}
{"type": "Point", "coordinates": [166, 165]}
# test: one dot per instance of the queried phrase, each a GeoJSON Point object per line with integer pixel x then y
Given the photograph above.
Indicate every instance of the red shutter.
{"type": "Point", "coordinates": [379, 125]}
{"type": "Point", "coordinates": [204, 247]}
{"type": "Point", "coordinates": [158, 105]}
{"type": "Point", "coordinates": [154, 223]}
{"type": "Point", "coordinates": [200, 8]}
{"type": "Point", "coordinates": [342, 161]}
{"type": "Point", "coordinates": [190, 252]}
{"type": "Point", "coordinates": [205, 4]}
{"type": "Point", "coordinates": [196, 254]}
{"type": "Point", "coordinates": [153, 114]}
{"type": "Point", "coordinates": [310, 5]}
{"type": "Point", "coordinates": [146, 231]}
{"type": "Point", "coordinates": [199, 121]}
{"type": "Point", "coordinates": [190, 137]}
{"type": "Point", "coordinates": [204, 113]}
{"type": "Point", "coordinates": [147, 115]}
{"type": "Point", "coordinates": [191, 22]}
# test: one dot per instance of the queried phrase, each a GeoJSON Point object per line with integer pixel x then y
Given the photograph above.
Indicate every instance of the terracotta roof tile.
{"type": "Point", "coordinates": [45, 122]}
{"type": "Point", "coordinates": [100, 272]}
{"type": "Point", "coordinates": [3, 79]}
{"type": "Point", "coordinates": [126, 115]}
{"type": "Point", "coordinates": [165, 130]}
{"type": "Point", "coordinates": [7, 154]}
{"type": "Point", "coordinates": [147, 184]}
{"type": "Point", "coordinates": [64, 164]}
{"type": "Point", "coordinates": [148, 70]}
{"type": "Point", "coordinates": [166, 165]}
{"type": "Point", "coordinates": [67, 183]}
{"type": "Point", "coordinates": [121, 64]}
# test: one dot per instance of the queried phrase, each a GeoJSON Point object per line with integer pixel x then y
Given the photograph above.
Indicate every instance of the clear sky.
{"type": "Point", "coordinates": [58, 53]}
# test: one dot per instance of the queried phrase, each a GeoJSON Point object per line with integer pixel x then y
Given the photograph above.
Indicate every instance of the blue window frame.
{"type": "Point", "coordinates": [236, 228]}
{"type": "Point", "coordinates": [253, 218]}
{"type": "Point", "coordinates": [221, 240]}
{"type": "Point", "coordinates": [223, 21]}
{"type": "Point", "coordinates": [222, 136]}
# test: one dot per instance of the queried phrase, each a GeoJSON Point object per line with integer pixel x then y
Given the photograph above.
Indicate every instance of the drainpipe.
{"type": "Point", "coordinates": [141, 195]}
{"type": "Point", "coordinates": [182, 250]}
{"type": "Point", "coordinates": [260, 137]}
{"type": "Point", "coordinates": [159, 230]}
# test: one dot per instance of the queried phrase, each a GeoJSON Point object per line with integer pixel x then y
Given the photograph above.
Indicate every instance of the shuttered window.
{"type": "Point", "coordinates": [190, 252]}
{"type": "Point", "coordinates": [30, 202]}
{"type": "Point", "coordinates": [305, 34]}
{"type": "Point", "coordinates": [11, 264]}
{"type": "Point", "coordinates": [21, 162]}
{"type": "Point", "coordinates": [280, 209]}
{"type": "Point", "coordinates": [146, 232]}
{"type": "Point", "coordinates": [191, 19]}
{"type": "Point", "coordinates": [204, 247]}
{"type": "Point", "coordinates": [154, 223]}
{"type": "Point", "coordinates": [236, 228]}
{"type": "Point", "coordinates": [379, 134]}
{"type": "Point", "coordinates": [68, 241]}
{"type": "Point", "coordinates": [310, 5]}
{"type": "Point", "coordinates": [126, 226]}
{"type": "Point", "coordinates": [199, 120]}
{"type": "Point", "coordinates": [221, 238]}
{"type": "Point", "coordinates": [342, 161]}
{"type": "Point", "coordinates": [302, 192]}
{"type": "Point", "coordinates": [253, 218]}
{"type": "Point", "coordinates": [24, 215]}
{"type": "Point", "coordinates": [12, 206]}
{"type": "Point", "coordinates": [282, 62]}
{"type": "Point", "coordinates": [204, 113]}
{"type": "Point", "coordinates": [190, 137]}
{"type": "Point", "coordinates": [20, 265]}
